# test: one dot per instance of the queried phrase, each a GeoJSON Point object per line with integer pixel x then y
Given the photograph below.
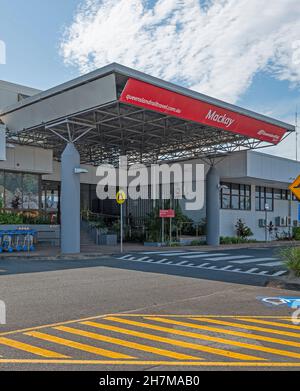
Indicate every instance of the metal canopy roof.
{"type": "Point", "coordinates": [104, 128]}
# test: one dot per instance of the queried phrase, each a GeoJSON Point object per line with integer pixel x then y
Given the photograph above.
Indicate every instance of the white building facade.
{"type": "Point", "coordinates": [30, 182]}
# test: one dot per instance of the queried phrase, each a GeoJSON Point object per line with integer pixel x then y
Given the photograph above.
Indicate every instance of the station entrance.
{"type": "Point", "coordinates": [117, 111]}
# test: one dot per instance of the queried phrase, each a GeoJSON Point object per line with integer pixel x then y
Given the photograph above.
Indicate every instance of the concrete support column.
{"type": "Point", "coordinates": [70, 201]}
{"type": "Point", "coordinates": [213, 207]}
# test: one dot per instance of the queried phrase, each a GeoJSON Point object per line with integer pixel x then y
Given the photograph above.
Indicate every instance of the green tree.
{"type": "Point", "coordinates": [242, 230]}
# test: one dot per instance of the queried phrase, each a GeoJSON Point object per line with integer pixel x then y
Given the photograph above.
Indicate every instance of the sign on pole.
{"type": "Point", "coordinates": [121, 198]}
{"type": "Point", "coordinates": [295, 188]}
{"type": "Point", "coordinates": [168, 213]}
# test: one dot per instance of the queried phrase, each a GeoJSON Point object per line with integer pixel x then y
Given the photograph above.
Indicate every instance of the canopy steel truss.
{"type": "Point", "coordinates": [104, 133]}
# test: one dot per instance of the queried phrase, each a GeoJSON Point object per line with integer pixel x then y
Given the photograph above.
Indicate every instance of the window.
{"type": "Point", "coordinates": [19, 191]}
{"type": "Point", "coordinates": [235, 196]}
{"type": "Point", "coordinates": [263, 196]}
{"type": "Point", "coordinates": [284, 194]}
{"type": "Point", "coordinates": [31, 192]}
{"type": "Point", "coordinates": [50, 196]}
{"type": "Point", "coordinates": [84, 196]}
{"type": "Point", "coordinates": [13, 190]}
{"type": "Point", "coordinates": [277, 194]}
{"type": "Point", "coordinates": [225, 196]}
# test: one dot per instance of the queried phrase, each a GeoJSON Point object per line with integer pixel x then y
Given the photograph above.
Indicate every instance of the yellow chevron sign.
{"type": "Point", "coordinates": [295, 188]}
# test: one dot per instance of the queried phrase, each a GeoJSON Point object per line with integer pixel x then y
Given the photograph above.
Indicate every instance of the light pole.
{"type": "Point", "coordinates": [290, 208]}
{"type": "Point", "coordinates": [267, 208]}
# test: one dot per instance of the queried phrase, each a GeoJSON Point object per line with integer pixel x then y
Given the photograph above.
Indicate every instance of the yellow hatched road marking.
{"type": "Point", "coordinates": [136, 315]}
{"type": "Point", "coordinates": [289, 320]}
{"type": "Point", "coordinates": [175, 342]}
{"type": "Point", "coordinates": [231, 332]}
{"type": "Point", "coordinates": [77, 345]}
{"type": "Point", "coordinates": [128, 344]}
{"type": "Point", "coordinates": [191, 316]}
{"type": "Point", "coordinates": [156, 363]}
{"type": "Point", "coordinates": [276, 324]}
{"type": "Point", "coordinates": [30, 348]}
{"type": "Point", "coordinates": [209, 338]}
{"type": "Point", "coordinates": [248, 327]}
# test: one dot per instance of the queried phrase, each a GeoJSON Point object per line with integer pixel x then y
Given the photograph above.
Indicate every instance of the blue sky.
{"type": "Point", "coordinates": [234, 50]}
{"type": "Point", "coordinates": [32, 30]}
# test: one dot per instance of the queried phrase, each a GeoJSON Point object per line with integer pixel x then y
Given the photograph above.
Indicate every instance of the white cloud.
{"type": "Point", "coordinates": [216, 48]}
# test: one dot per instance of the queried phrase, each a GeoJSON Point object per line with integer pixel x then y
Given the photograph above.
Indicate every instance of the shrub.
{"type": "Point", "coordinates": [291, 258]}
{"type": "Point", "coordinates": [36, 219]}
{"type": "Point", "coordinates": [226, 240]}
{"type": "Point", "coordinates": [242, 230]}
{"type": "Point", "coordinates": [10, 218]}
{"type": "Point", "coordinates": [235, 240]}
{"type": "Point", "coordinates": [296, 233]}
{"type": "Point", "coordinates": [197, 243]}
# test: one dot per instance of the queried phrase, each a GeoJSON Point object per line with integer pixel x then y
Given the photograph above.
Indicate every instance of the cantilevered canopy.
{"type": "Point", "coordinates": [116, 110]}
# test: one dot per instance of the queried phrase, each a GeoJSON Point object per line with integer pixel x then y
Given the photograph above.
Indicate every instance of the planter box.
{"type": "Point", "coordinates": [154, 244]}
{"type": "Point", "coordinates": [188, 241]}
{"type": "Point", "coordinates": [107, 239]}
{"type": "Point", "coordinates": [100, 238]}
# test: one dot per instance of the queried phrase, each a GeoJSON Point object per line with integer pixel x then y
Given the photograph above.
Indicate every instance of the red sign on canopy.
{"type": "Point", "coordinates": [168, 213]}
{"type": "Point", "coordinates": [146, 95]}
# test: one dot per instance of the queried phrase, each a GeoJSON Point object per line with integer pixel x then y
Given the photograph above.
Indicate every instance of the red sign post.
{"type": "Point", "coordinates": [166, 214]}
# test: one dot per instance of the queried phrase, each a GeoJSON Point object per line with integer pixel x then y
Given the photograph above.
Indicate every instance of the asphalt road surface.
{"type": "Point", "coordinates": [112, 314]}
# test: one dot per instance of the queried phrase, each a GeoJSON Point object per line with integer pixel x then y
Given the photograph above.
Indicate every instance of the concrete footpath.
{"type": "Point", "coordinates": [63, 319]}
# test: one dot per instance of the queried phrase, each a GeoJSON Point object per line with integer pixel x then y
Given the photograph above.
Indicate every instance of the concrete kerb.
{"type": "Point", "coordinates": [110, 251]}
{"type": "Point", "coordinates": [59, 257]}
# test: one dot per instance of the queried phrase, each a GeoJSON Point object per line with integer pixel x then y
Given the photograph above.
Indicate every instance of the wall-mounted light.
{"type": "Point", "coordinates": [80, 170]}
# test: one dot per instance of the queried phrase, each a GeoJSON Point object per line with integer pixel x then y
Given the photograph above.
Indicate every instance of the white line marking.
{"type": "Point", "coordinates": [255, 260]}
{"type": "Point", "coordinates": [160, 252]}
{"type": "Point", "coordinates": [226, 267]}
{"type": "Point", "coordinates": [162, 260]}
{"type": "Point", "coordinates": [125, 256]}
{"type": "Point", "coordinates": [229, 257]}
{"type": "Point", "coordinates": [251, 270]}
{"type": "Point", "coordinates": [190, 264]}
{"type": "Point", "coordinates": [202, 255]}
{"type": "Point", "coordinates": [278, 263]}
{"type": "Point", "coordinates": [208, 266]}
{"type": "Point", "coordinates": [279, 273]}
{"type": "Point", "coordinates": [173, 255]}
{"type": "Point", "coordinates": [141, 259]}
